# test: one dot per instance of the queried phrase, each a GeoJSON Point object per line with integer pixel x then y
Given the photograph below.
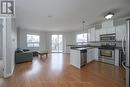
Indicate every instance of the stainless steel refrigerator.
{"type": "Point", "coordinates": [126, 63]}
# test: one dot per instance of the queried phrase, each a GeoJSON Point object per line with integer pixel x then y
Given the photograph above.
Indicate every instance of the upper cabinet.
{"type": "Point", "coordinates": [102, 31]}
{"type": "Point", "coordinates": [97, 33]}
{"type": "Point", "coordinates": [89, 33]}
{"type": "Point", "coordinates": [92, 36]}
{"type": "Point", "coordinates": [120, 32]}
{"type": "Point", "coordinates": [107, 28]}
{"type": "Point", "coordinates": [110, 30]}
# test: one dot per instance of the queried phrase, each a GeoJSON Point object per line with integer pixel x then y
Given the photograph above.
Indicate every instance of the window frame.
{"type": "Point", "coordinates": [82, 38]}
{"type": "Point", "coordinates": [33, 42]}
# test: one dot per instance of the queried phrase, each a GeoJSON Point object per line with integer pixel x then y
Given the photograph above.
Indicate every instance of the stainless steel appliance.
{"type": "Point", "coordinates": [126, 63]}
{"type": "Point", "coordinates": [108, 37]}
{"type": "Point", "coordinates": [107, 55]}
{"type": "Point", "coordinates": [107, 49]}
{"type": "Point", "coordinates": [83, 54]}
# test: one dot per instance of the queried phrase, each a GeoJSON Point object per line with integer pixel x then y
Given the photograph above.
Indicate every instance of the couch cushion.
{"type": "Point", "coordinates": [26, 50]}
{"type": "Point", "coordinates": [19, 50]}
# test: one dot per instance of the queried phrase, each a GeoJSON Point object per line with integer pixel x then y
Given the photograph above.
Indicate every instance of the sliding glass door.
{"type": "Point", "coordinates": [57, 43]}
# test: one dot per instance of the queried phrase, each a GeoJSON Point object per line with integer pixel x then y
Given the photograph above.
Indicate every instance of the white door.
{"type": "Point", "coordinates": [57, 43]}
{"type": "Point", "coordinates": [2, 45]}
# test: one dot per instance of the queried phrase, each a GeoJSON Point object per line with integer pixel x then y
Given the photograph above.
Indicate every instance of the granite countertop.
{"type": "Point", "coordinates": [97, 44]}
{"type": "Point", "coordinates": [82, 47]}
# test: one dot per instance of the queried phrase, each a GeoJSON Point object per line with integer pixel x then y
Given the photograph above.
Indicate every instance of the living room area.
{"type": "Point", "coordinates": [32, 43]}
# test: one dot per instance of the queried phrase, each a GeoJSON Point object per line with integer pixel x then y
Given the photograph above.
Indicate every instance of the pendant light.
{"type": "Point", "coordinates": [83, 27]}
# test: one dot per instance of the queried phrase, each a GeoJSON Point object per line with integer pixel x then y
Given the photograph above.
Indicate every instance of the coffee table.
{"type": "Point", "coordinates": [41, 54]}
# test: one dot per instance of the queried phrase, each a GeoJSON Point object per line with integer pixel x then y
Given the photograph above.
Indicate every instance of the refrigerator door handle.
{"type": "Point", "coordinates": [124, 64]}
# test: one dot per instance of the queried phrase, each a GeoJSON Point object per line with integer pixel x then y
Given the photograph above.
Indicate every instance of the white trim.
{"type": "Point", "coordinates": [4, 45]}
{"type": "Point", "coordinates": [10, 74]}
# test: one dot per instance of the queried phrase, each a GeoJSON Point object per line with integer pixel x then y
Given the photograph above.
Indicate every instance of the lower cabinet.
{"type": "Point", "coordinates": [75, 58]}
{"type": "Point", "coordinates": [80, 58]}
{"type": "Point", "coordinates": [92, 54]}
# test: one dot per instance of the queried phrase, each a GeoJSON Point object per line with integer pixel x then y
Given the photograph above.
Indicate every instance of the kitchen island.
{"type": "Point", "coordinates": [81, 56]}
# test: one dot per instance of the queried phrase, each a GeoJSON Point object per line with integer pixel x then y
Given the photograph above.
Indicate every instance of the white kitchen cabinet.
{"type": "Point", "coordinates": [75, 58]}
{"type": "Point", "coordinates": [89, 55]}
{"type": "Point", "coordinates": [96, 54]}
{"type": "Point", "coordinates": [107, 27]}
{"type": "Point", "coordinates": [92, 36]}
{"type": "Point", "coordinates": [103, 31]}
{"type": "Point", "coordinates": [110, 30]}
{"type": "Point", "coordinates": [92, 54]}
{"type": "Point", "coordinates": [107, 24]}
{"type": "Point", "coordinates": [89, 34]}
{"type": "Point", "coordinates": [116, 57]}
{"type": "Point", "coordinates": [120, 32]}
{"type": "Point", "coordinates": [97, 33]}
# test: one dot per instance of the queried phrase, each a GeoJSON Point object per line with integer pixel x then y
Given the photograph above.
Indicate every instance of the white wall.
{"type": "Point", "coordinates": [11, 45]}
{"type": "Point", "coordinates": [22, 39]}
{"type": "Point", "coordinates": [0, 39]}
{"type": "Point", "coordinates": [45, 39]}
{"type": "Point", "coordinates": [14, 42]}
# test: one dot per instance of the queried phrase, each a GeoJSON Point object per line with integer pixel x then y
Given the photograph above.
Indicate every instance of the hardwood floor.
{"type": "Point", "coordinates": [56, 72]}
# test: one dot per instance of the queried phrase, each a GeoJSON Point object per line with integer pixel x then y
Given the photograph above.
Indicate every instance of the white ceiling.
{"type": "Point", "coordinates": [64, 15]}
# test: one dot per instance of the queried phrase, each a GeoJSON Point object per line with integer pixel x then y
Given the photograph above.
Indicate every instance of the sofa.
{"type": "Point", "coordinates": [23, 55]}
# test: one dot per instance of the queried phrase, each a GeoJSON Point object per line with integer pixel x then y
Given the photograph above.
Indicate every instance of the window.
{"type": "Point", "coordinates": [81, 38]}
{"type": "Point", "coordinates": [33, 40]}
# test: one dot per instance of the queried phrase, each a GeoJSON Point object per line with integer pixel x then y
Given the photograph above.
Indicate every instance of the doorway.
{"type": "Point", "coordinates": [57, 43]}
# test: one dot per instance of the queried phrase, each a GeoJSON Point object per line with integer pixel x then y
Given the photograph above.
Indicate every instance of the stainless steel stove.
{"type": "Point", "coordinates": [107, 49]}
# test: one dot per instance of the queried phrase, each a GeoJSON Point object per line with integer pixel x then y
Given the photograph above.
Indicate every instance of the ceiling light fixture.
{"type": "Point", "coordinates": [109, 15]}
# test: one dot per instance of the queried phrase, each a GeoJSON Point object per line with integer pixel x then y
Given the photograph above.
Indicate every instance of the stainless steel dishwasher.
{"type": "Point", "coordinates": [83, 57]}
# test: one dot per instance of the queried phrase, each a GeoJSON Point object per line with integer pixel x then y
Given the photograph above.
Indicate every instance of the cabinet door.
{"type": "Point", "coordinates": [97, 33]}
{"type": "Point", "coordinates": [103, 31]}
{"type": "Point", "coordinates": [120, 32]}
{"type": "Point", "coordinates": [92, 54]}
{"type": "Point", "coordinates": [92, 36]}
{"type": "Point", "coordinates": [75, 58]}
{"type": "Point", "coordinates": [89, 34]}
{"type": "Point", "coordinates": [89, 55]}
{"type": "Point", "coordinates": [110, 30]}
{"type": "Point", "coordinates": [95, 52]}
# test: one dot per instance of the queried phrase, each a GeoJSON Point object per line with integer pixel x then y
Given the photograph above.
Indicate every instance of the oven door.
{"type": "Point", "coordinates": [107, 55]}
